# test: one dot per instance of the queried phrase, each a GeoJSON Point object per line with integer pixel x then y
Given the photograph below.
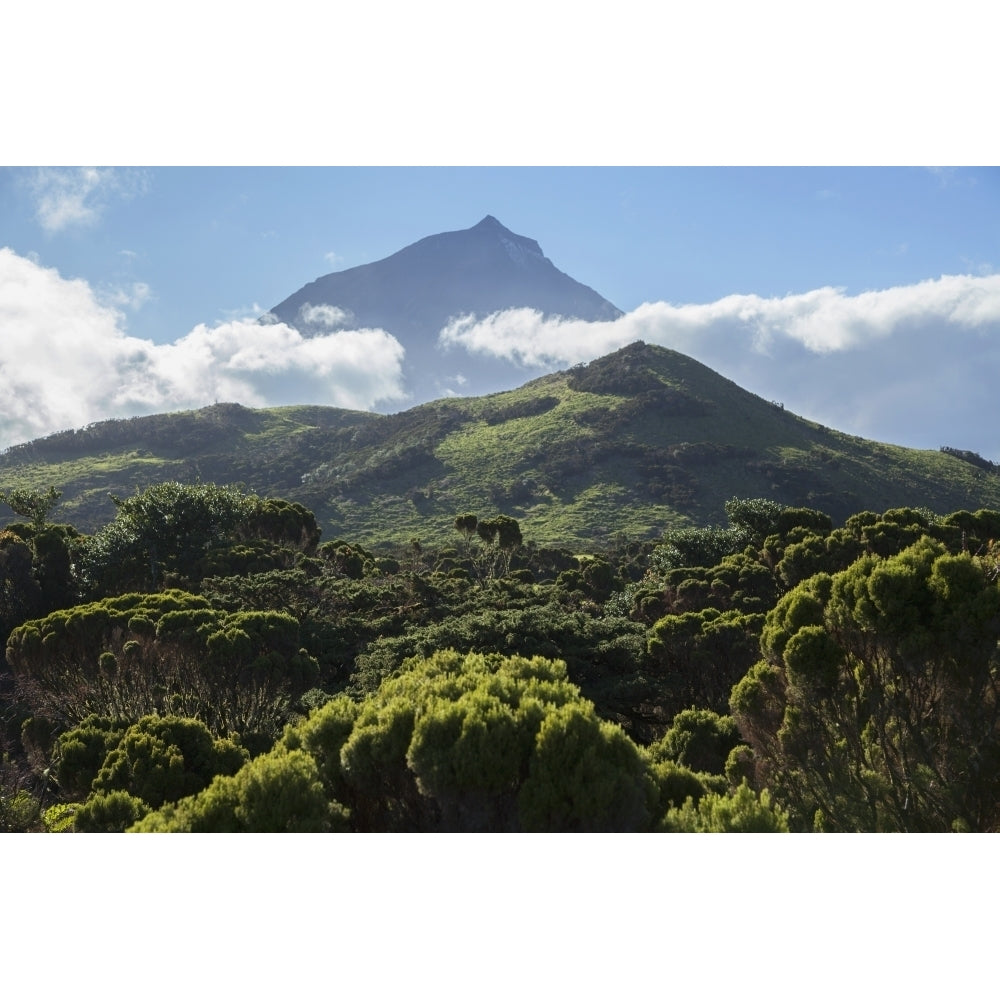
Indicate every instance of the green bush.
{"type": "Point", "coordinates": [874, 706]}
{"type": "Point", "coordinates": [585, 775]}
{"type": "Point", "coordinates": [109, 812]}
{"type": "Point", "coordinates": [165, 759]}
{"type": "Point", "coordinates": [60, 818]}
{"type": "Point", "coordinates": [452, 742]}
{"type": "Point", "coordinates": [490, 742]}
{"type": "Point", "coordinates": [698, 739]}
{"type": "Point", "coordinates": [81, 751]}
{"type": "Point", "coordinates": [18, 811]}
{"type": "Point", "coordinates": [741, 811]}
{"type": "Point", "coordinates": [278, 792]}
{"type": "Point", "coordinates": [166, 653]}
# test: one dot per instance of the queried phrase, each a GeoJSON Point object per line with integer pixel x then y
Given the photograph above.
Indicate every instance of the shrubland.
{"type": "Point", "coordinates": [205, 662]}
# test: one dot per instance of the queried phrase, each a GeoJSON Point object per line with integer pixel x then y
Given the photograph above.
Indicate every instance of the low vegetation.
{"type": "Point", "coordinates": [205, 662]}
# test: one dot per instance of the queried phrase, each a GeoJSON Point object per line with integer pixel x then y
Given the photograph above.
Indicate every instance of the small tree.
{"type": "Point", "coordinates": [167, 529]}
{"type": "Point", "coordinates": [501, 537]}
{"type": "Point", "coordinates": [465, 525]}
{"type": "Point", "coordinates": [31, 504]}
{"type": "Point", "coordinates": [20, 593]}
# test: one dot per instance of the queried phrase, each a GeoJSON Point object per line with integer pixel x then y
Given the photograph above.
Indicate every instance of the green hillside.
{"type": "Point", "coordinates": [635, 442]}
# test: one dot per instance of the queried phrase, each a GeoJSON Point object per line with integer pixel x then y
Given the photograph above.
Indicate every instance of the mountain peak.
{"type": "Point", "coordinates": [520, 249]}
{"type": "Point", "coordinates": [490, 222]}
{"type": "Point", "coordinates": [491, 225]}
{"type": "Point", "coordinates": [417, 291]}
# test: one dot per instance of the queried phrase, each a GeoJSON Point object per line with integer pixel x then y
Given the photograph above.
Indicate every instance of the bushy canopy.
{"type": "Point", "coordinates": [155, 761]}
{"type": "Point", "coordinates": [129, 656]}
{"type": "Point", "coordinates": [455, 742]}
{"type": "Point", "coordinates": [877, 703]}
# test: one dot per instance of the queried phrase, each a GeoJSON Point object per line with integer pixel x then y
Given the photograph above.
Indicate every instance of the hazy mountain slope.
{"type": "Point", "coordinates": [415, 292]}
{"type": "Point", "coordinates": [640, 440]}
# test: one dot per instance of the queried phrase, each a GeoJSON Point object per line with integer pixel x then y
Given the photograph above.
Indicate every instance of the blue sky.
{"type": "Point", "coordinates": [213, 242]}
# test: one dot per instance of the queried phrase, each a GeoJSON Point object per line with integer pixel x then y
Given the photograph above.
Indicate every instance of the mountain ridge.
{"type": "Point", "coordinates": [634, 443]}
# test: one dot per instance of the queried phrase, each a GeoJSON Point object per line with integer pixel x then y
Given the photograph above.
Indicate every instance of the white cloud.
{"type": "Point", "coordinates": [324, 315]}
{"type": "Point", "coordinates": [68, 360]}
{"type": "Point", "coordinates": [273, 364]}
{"type": "Point", "coordinates": [77, 196]}
{"type": "Point", "coordinates": [133, 297]}
{"type": "Point", "coordinates": [912, 364]}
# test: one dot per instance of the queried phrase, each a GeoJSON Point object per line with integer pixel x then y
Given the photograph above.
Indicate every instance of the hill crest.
{"type": "Point", "coordinates": [636, 442]}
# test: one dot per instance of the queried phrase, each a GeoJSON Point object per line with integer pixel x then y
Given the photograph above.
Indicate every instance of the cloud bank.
{"type": "Point", "coordinates": [67, 360]}
{"type": "Point", "coordinates": [916, 364]}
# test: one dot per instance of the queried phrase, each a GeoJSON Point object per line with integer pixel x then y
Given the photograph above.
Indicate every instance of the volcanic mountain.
{"type": "Point", "coordinates": [416, 292]}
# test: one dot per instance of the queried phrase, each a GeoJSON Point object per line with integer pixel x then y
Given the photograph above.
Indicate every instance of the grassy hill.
{"type": "Point", "coordinates": [633, 443]}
